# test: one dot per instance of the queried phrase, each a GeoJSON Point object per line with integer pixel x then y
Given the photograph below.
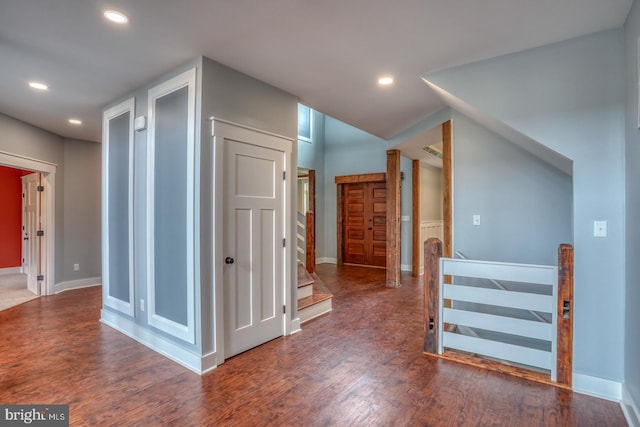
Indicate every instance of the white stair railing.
{"type": "Point", "coordinates": [543, 302]}
{"type": "Point", "coordinates": [502, 287]}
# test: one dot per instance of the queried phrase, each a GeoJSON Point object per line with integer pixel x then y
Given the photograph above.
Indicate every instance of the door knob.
{"type": "Point", "coordinates": [229, 260]}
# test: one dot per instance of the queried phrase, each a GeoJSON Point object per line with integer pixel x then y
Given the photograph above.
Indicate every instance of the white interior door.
{"type": "Point", "coordinates": [31, 247]}
{"type": "Point", "coordinates": [253, 245]}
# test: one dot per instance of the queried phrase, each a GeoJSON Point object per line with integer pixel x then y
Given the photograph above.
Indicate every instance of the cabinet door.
{"type": "Point", "coordinates": [171, 214]}
{"type": "Point", "coordinates": [117, 207]}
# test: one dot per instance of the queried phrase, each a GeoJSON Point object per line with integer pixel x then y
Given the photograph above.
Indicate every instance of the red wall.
{"type": "Point", "coordinates": [10, 217]}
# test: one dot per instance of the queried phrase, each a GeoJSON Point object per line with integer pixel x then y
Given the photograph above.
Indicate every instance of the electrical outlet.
{"type": "Point", "coordinates": [76, 267]}
{"type": "Point", "coordinates": [141, 304]}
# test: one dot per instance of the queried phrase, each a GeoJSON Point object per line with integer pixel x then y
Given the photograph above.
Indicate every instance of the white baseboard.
{"type": "Point", "coordinates": [77, 284]}
{"type": "Point", "coordinates": [326, 260]}
{"type": "Point", "coordinates": [295, 326]}
{"type": "Point", "coordinates": [630, 408]}
{"type": "Point", "coordinates": [597, 387]}
{"type": "Point", "coordinates": [180, 355]}
{"type": "Point", "coordinates": [10, 270]}
{"type": "Point", "coordinates": [405, 267]}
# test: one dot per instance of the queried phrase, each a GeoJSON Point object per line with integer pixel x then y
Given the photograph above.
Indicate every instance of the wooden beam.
{"type": "Point", "coordinates": [365, 177]}
{"type": "Point", "coordinates": [447, 198]}
{"type": "Point", "coordinates": [565, 315]}
{"type": "Point", "coordinates": [432, 254]}
{"type": "Point", "coordinates": [393, 218]}
{"type": "Point", "coordinates": [415, 218]}
{"type": "Point", "coordinates": [447, 190]}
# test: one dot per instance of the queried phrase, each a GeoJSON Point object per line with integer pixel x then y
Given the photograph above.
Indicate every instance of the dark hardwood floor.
{"type": "Point", "coordinates": [361, 365]}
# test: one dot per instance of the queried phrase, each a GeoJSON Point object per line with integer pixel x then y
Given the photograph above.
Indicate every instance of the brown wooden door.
{"type": "Point", "coordinates": [365, 223]}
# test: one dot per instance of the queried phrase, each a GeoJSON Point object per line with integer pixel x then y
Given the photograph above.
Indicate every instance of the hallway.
{"type": "Point", "coordinates": [360, 365]}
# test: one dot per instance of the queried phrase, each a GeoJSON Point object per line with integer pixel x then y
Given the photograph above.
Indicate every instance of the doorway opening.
{"type": "Point", "coordinates": [37, 216]}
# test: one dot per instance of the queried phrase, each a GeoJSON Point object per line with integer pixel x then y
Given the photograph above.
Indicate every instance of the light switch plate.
{"type": "Point", "coordinates": [599, 228]}
{"type": "Point", "coordinates": [476, 219]}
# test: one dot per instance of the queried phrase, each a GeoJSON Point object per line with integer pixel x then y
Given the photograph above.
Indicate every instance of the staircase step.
{"type": "Point", "coordinates": [304, 278]}
{"type": "Point", "coordinates": [319, 303]}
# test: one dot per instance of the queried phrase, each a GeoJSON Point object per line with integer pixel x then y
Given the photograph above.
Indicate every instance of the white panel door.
{"type": "Point", "coordinates": [253, 224]}
{"type": "Point", "coordinates": [31, 225]}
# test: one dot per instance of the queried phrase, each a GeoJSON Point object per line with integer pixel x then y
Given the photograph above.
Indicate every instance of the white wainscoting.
{"type": "Point", "coordinates": [429, 229]}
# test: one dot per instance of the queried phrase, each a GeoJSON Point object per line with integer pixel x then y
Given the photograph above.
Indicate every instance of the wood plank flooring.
{"type": "Point", "coordinates": [361, 365]}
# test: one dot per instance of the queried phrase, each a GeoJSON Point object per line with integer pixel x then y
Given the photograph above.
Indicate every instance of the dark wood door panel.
{"type": "Point", "coordinates": [365, 222]}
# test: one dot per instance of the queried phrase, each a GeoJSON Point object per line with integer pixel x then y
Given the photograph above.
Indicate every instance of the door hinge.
{"type": "Point", "coordinates": [40, 278]}
{"type": "Point", "coordinates": [40, 233]}
{"type": "Point", "coordinates": [284, 243]}
{"type": "Point", "coordinates": [40, 188]}
{"type": "Point", "coordinates": [284, 175]}
{"type": "Point", "coordinates": [284, 309]}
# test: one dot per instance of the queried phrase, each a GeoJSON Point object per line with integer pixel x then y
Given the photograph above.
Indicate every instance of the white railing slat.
{"type": "Point", "coordinates": [507, 325]}
{"type": "Point", "coordinates": [499, 350]}
{"type": "Point", "coordinates": [541, 274]}
{"type": "Point", "coordinates": [520, 300]}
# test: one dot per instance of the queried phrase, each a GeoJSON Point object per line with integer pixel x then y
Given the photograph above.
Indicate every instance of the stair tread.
{"type": "Point", "coordinates": [304, 278]}
{"type": "Point", "coordinates": [320, 293]}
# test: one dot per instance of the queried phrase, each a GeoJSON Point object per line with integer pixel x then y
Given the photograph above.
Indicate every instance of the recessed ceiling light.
{"type": "Point", "coordinates": [38, 85]}
{"type": "Point", "coordinates": [385, 80]}
{"type": "Point", "coordinates": [116, 17]}
{"type": "Point", "coordinates": [75, 121]}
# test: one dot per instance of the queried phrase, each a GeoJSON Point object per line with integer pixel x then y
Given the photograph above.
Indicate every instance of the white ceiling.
{"type": "Point", "coordinates": [329, 53]}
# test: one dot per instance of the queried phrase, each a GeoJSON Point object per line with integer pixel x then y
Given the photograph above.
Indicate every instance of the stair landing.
{"type": "Point", "coordinates": [314, 299]}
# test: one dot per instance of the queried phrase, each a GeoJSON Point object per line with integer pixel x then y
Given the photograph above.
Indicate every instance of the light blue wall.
{"type": "Point", "coordinates": [632, 194]}
{"type": "Point", "coordinates": [570, 97]}
{"type": "Point", "coordinates": [311, 156]}
{"type": "Point", "coordinates": [524, 204]}
{"type": "Point", "coordinates": [348, 151]}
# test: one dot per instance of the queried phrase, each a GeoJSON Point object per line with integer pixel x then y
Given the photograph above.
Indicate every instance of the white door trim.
{"type": "Point", "coordinates": [48, 171]}
{"type": "Point", "coordinates": [221, 130]}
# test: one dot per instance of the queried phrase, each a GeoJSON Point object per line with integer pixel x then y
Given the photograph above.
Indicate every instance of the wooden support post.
{"type": "Point", "coordinates": [311, 242]}
{"type": "Point", "coordinates": [393, 218]}
{"type": "Point", "coordinates": [416, 243]}
{"type": "Point", "coordinates": [565, 315]}
{"type": "Point", "coordinates": [432, 255]}
{"type": "Point", "coordinates": [340, 223]}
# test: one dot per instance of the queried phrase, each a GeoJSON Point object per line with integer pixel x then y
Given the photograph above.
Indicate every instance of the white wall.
{"type": "Point", "coordinates": [570, 97]}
